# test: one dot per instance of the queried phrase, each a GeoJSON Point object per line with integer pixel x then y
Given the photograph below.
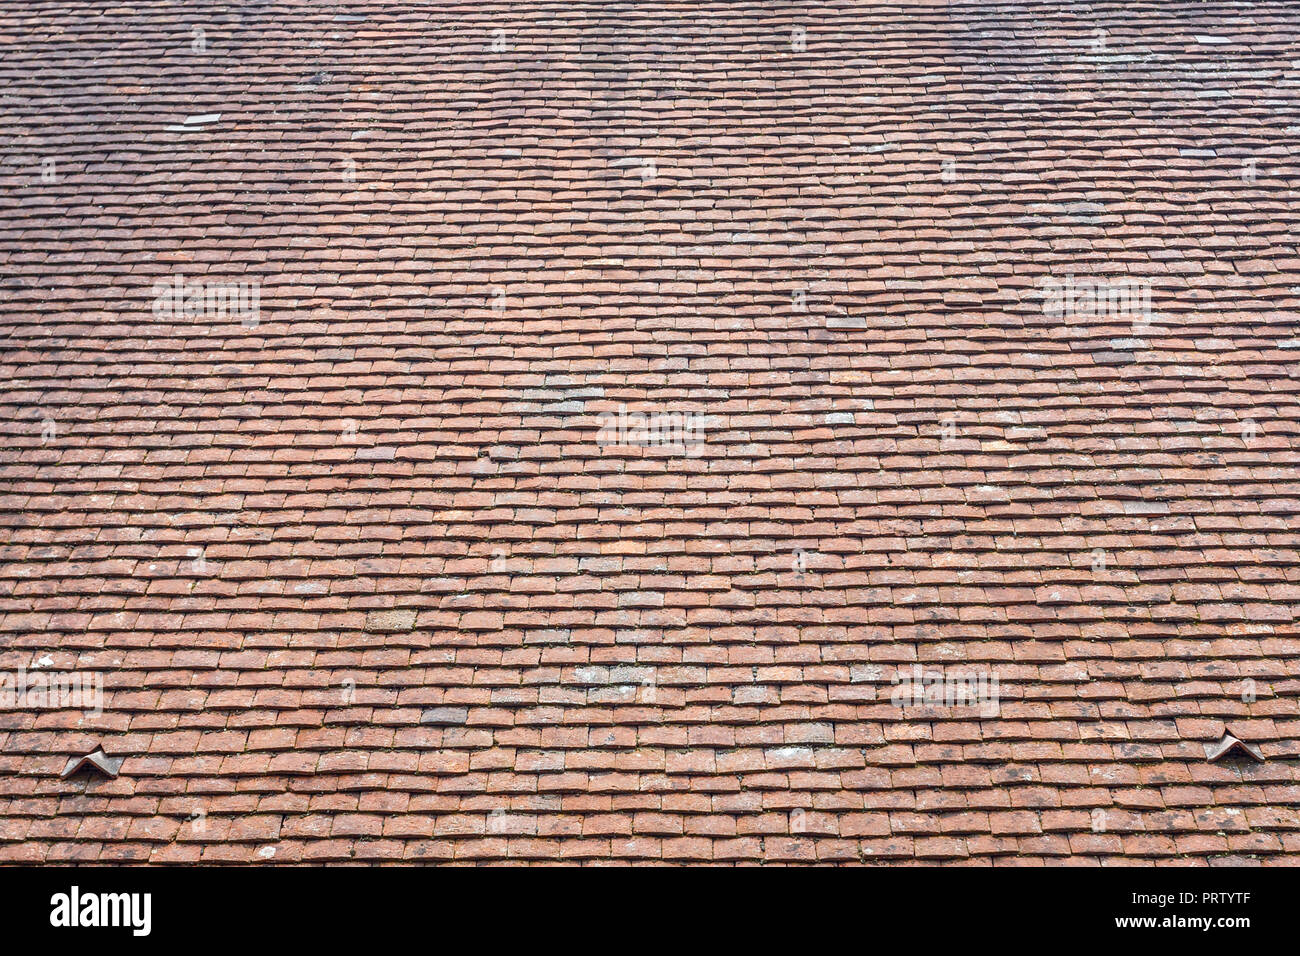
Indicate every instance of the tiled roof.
{"type": "Point", "coordinates": [367, 575]}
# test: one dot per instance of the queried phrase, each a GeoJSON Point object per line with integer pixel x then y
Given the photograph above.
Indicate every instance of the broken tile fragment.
{"type": "Point", "coordinates": [198, 121]}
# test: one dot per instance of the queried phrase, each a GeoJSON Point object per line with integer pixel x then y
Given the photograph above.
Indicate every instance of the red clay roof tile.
{"type": "Point", "coordinates": [715, 432]}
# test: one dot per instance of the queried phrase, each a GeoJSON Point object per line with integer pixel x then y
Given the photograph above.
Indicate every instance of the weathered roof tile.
{"type": "Point", "coordinates": [701, 432]}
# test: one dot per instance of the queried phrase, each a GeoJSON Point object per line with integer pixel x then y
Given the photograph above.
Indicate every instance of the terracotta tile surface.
{"type": "Point", "coordinates": [365, 581]}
